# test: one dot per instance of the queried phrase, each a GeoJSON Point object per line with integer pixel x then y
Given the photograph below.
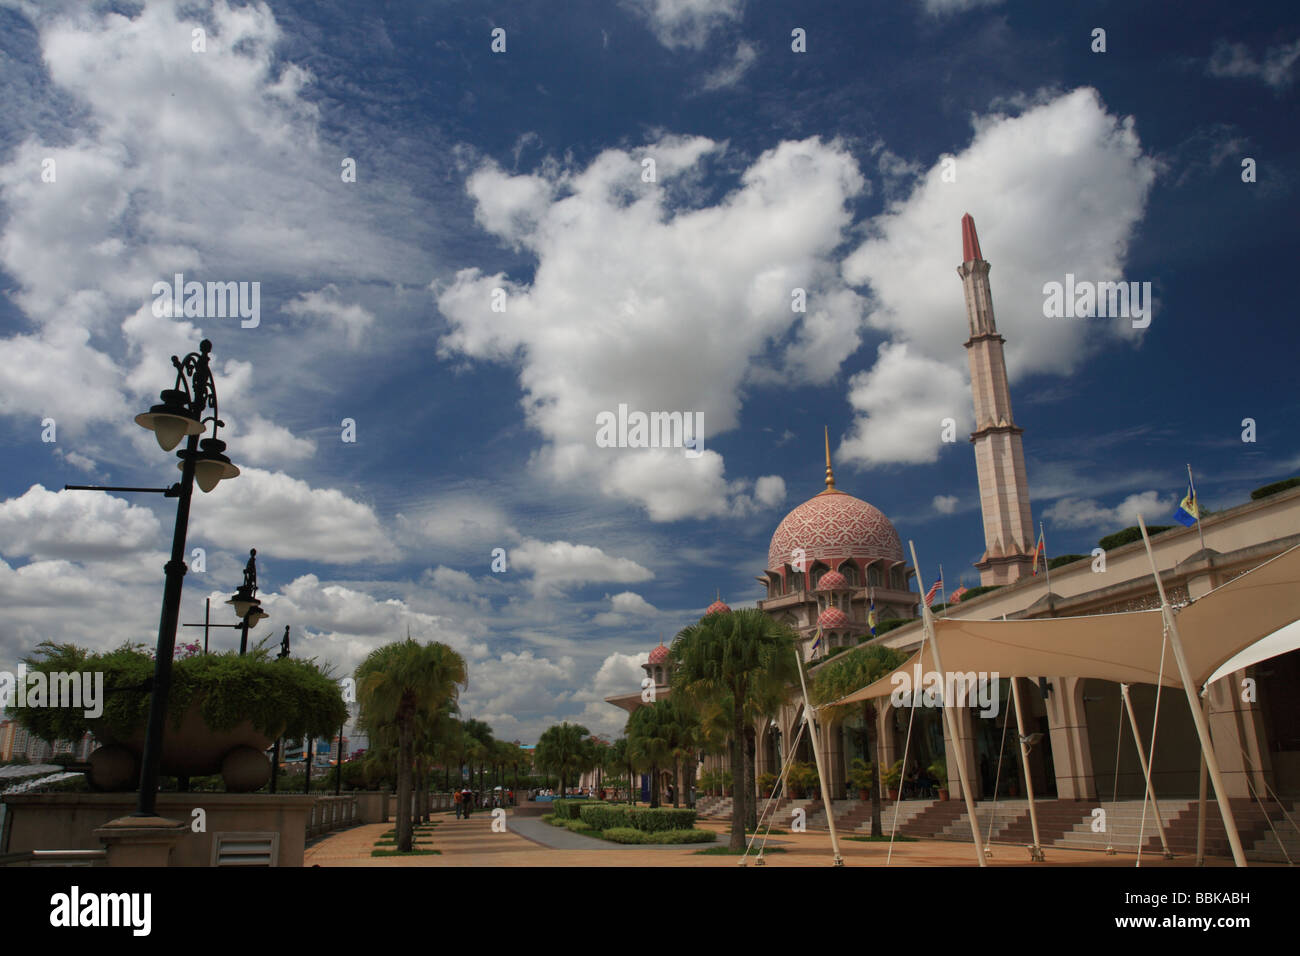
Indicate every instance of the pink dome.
{"type": "Point", "coordinates": [833, 618]}
{"type": "Point", "coordinates": [717, 607]}
{"type": "Point", "coordinates": [659, 655]}
{"type": "Point", "coordinates": [832, 581]}
{"type": "Point", "coordinates": [833, 526]}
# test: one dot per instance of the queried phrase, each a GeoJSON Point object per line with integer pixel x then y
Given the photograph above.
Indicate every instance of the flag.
{"type": "Point", "coordinates": [817, 643]}
{"type": "Point", "coordinates": [1038, 551]}
{"type": "Point", "coordinates": [934, 589]}
{"type": "Point", "coordinates": [871, 614]}
{"type": "Point", "coordinates": [1188, 513]}
{"type": "Point", "coordinates": [955, 597]}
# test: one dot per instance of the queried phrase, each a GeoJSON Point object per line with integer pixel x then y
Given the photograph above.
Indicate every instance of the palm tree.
{"type": "Point", "coordinates": [770, 689]}
{"type": "Point", "coordinates": [651, 734]}
{"type": "Point", "coordinates": [396, 684]}
{"type": "Point", "coordinates": [561, 748]}
{"type": "Point", "coordinates": [841, 676]}
{"type": "Point", "coordinates": [723, 655]}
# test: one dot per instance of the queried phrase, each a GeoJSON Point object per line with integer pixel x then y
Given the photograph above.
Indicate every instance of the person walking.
{"type": "Point", "coordinates": [456, 798]}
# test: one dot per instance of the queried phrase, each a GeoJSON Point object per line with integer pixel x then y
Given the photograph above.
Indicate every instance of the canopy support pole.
{"type": "Point", "coordinates": [951, 722]}
{"type": "Point", "coordinates": [1035, 851]}
{"type": "Point", "coordinates": [1146, 773]}
{"type": "Point", "coordinates": [1200, 817]}
{"type": "Point", "coordinates": [817, 756]}
{"type": "Point", "coordinates": [1194, 704]}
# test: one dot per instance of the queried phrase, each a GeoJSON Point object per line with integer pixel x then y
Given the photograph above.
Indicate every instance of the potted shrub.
{"type": "Point", "coordinates": [860, 778]}
{"type": "Point", "coordinates": [891, 777]}
{"type": "Point", "coordinates": [939, 770]}
{"type": "Point", "coordinates": [766, 782]}
{"type": "Point", "coordinates": [796, 777]}
{"type": "Point", "coordinates": [223, 711]}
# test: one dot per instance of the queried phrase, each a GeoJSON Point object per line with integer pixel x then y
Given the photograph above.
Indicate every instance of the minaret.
{"type": "Point", "coordinates": [999, 453]}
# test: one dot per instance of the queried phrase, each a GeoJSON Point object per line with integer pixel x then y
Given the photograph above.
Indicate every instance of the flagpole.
{"type": "Point", "coordinates": [1192, 485]}
{"type": "Point", "coordinates": [943, 589]}
{"type": "Point", "coordinates": [808, 715]}
{"type": "Point", "coordinates": [1194, 704]}
{"type": "Point", "coordinates": [958, 748]}
{"type": "Point", "coordinates": [1046, 567]}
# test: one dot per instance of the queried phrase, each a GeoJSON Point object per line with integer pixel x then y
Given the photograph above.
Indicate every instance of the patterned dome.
{"type": "Point", "coordinates": [832, 581]}
{"type": "Point", "coordinates": [834, 526]}
{"type": "Point", "coordinates": [833, 617]}
{"type": "Point", "coordinates": [659, 655]}
{"type": "Point", "coordinates": [717, 607]}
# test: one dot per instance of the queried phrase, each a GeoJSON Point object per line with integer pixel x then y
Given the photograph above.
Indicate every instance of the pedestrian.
{"type": "Point", "coordinates": [456, 798]}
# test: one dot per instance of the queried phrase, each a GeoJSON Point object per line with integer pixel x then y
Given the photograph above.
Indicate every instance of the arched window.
{"type": "Point", "coordinates": [850, 574]}
{"type": "Point", "coordinates": [659, 675]}
{"type": "Point", "coordinates": [873, 576]}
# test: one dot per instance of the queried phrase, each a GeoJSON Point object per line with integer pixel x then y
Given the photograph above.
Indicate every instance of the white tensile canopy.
{"type": "Point", "coordinates": [1221, 628]}
{"type": "Point", "coordinates": [1247, 620]}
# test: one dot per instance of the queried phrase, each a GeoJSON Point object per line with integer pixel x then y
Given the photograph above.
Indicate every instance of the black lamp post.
{"type": "Point", "coordinates": [246, 605]}
{"type": "Point", "coordinates": [275, 754]}
{"type": "Point", "coordinates": [180, 415]}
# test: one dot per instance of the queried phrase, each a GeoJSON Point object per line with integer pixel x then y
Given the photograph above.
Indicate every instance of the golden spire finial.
{"type": "Point", "coordinates": [830, 475]}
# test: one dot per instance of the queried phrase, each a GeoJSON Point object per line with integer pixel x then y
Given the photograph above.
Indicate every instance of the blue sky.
{"type": "Point", "coordinates": [522, 170]}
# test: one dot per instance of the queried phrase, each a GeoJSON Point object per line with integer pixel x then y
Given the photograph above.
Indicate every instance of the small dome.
{"type": "Point", "coordinates": [717, 607]}
{"type": "Point", "coordinates": [659, 655]}
{"type": "Point", "coordinates": [833, 617]}
{"type": "Point", "coordinates": [832, 581]}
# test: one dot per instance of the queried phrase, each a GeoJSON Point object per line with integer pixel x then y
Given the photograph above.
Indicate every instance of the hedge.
{"type": "Point", "coordinates": [568, 809]}
{"type": "Point", "coordinates": [1266, 490]}
{"type": "Point", "coordinates": [630, 835]}
{"type": "Point", "coordinates": [646, 819]}
{"type": "Point", "coordinates": [1131, 534]}
{"type": "Point", "coordinates": [603, 816]}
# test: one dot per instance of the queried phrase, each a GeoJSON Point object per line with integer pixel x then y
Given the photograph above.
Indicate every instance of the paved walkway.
{"type": "Point", "coordinates": [472, 843]}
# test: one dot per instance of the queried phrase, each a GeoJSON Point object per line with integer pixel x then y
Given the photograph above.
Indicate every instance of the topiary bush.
{"type": "Point", "coordinates": [569, 809]}
{"type": "Point", "coordinates": [662, 818]}
{"type": "Point", "coordinates": [605, 816]}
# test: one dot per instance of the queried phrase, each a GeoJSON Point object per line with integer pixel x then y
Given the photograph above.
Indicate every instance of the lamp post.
{"type": "Point", "coordinates": [275, 754]}
{"type": "Point", "coordinates": [246, 605]}
{"type": "Point", "coordinates": [180, 415]}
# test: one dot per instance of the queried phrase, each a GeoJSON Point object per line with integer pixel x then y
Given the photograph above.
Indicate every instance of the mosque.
{"type": "Point", "coordinates": [830, 552]}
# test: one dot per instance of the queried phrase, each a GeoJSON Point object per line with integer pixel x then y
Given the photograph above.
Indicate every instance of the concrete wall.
{"type": "Point", "coordinates": [66, 821]}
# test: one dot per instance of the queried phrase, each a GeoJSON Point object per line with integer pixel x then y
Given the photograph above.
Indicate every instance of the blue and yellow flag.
{"type": "Point", "coordinates": [1187, 512]}
{"type": "Point", "coordinates": [871, 614]}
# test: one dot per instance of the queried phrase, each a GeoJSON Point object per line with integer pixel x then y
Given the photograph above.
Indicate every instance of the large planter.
{"type": "Point", "coordinates": [192, 750]}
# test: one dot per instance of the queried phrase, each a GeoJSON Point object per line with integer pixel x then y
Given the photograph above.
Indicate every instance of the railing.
{"type": "Point", "coordinates": [331, 813]}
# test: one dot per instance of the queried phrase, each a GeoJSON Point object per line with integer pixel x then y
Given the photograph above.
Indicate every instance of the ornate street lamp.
{"type": "Point", "coordinates": [181, 414]}
{"type": "Point", "coordinates": [247, 607]}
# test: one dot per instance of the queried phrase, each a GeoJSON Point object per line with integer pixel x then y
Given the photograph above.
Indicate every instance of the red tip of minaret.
{"type": "Point", "coordinates": [970, 242]}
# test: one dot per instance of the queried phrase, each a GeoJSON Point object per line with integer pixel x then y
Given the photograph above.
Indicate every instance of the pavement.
{"type": "Point", "coordinates": [524, 843]}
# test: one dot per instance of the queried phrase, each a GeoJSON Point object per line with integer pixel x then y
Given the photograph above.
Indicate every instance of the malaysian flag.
{"type": "Point", "coordinates": [956, 595]}
{"type": "Point", "coordinates": [934, 589]}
